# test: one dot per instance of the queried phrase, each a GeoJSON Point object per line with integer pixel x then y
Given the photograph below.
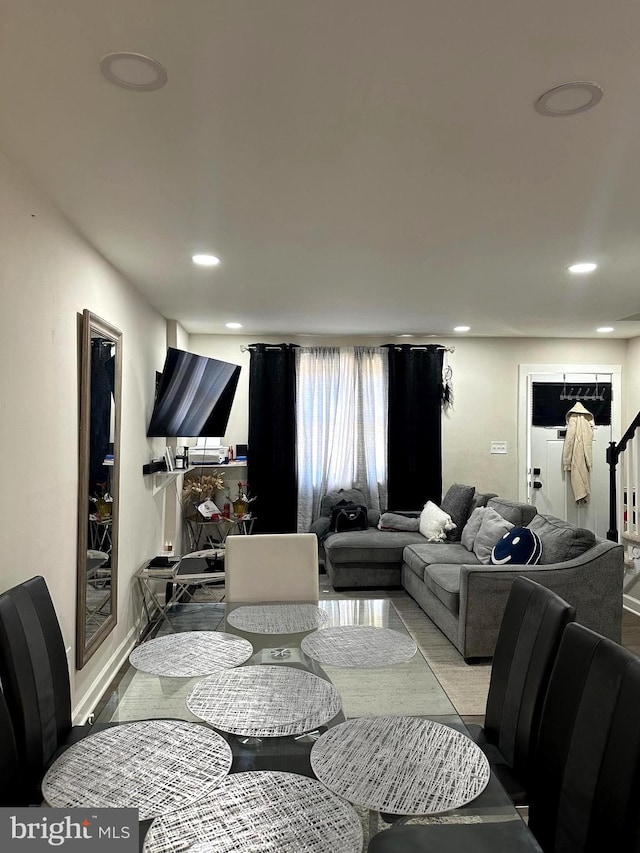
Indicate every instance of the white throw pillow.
{"type": "Point", "coordinates": [434, 523]}
{"type": "Point", "coordinates": [470, 530]}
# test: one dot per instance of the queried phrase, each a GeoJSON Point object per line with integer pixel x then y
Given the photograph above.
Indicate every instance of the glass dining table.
{"type": "Point", "coordinates": [296, 673]}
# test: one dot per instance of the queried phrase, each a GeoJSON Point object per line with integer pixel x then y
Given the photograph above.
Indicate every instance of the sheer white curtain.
{"type": "Point", "coordinates": [341, 414]}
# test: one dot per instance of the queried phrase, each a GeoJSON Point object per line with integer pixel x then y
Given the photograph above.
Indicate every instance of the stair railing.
{"type": "Point", "coordinates": [625, 512]}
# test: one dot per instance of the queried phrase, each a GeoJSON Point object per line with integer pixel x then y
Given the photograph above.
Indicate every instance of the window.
{"type": "Point", "coordinates": [341, 418]}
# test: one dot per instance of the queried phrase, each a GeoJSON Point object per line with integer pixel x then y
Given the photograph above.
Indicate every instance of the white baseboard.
{"type": "Point", "coordinates": [98, 687]}
{"type": "Point", "coordinates": [631, 604]}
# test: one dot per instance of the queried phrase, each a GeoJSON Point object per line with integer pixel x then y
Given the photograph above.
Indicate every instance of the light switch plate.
{"type": "Point", "coordinates": [498, 446]}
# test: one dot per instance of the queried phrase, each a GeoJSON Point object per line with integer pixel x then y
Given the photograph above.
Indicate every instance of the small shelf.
{"type": "Point", "coordinates": [234, 464]}
{"type": "Point", "coordinates": [161, 479]}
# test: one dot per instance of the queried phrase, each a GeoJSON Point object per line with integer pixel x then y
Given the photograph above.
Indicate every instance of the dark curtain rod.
{"type": "Point", "coordinates": [250, 347]}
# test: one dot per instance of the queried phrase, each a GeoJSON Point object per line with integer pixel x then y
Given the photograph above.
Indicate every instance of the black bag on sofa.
{"type": "Point", "coordinates": [348, 516]}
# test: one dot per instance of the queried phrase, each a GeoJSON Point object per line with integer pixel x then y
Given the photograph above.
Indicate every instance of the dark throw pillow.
{"type": "Point", "coordinates": [457, 504]}
{"type": "Point", "coordinates": [521, 546]}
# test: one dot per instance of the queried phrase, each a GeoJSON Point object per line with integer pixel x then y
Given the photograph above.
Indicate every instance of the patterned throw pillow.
{"type": "Point", "coordinates": [520, 546]}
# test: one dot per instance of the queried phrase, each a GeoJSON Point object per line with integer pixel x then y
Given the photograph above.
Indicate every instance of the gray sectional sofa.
{"type": "Point", "coordinates": [465, 597]}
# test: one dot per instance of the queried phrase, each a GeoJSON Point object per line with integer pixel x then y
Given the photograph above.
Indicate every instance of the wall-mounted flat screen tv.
{"type": "Point", "coordinates": [194, 396]}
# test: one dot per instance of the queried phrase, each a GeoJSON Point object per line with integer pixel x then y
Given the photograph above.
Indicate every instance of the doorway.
{"type": "Point", "coordinates": [546, 393]}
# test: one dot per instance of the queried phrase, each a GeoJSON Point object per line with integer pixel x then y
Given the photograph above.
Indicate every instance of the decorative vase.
{"type": "Point", "coordinates": [240, 507]}
{"type": "Point", "coordinates": [103, 508]}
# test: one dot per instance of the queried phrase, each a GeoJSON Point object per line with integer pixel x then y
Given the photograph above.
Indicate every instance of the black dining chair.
{"type": "Point", "coordinates": [585, 775]}
{"type": "Point", "coordinates": [530, 631]}
{"type": "Point", "coordinates": [526, 649]}
{"type": "Point", "coordinates": [10, 786]}
{"type": "Point", "coordinates": [35, 679]}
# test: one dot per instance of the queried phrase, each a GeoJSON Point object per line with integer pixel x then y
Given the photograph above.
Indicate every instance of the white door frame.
{"type": "Point", "coordinates": [524, 414]}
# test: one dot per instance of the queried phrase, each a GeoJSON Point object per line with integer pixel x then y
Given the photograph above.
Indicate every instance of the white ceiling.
{"type": "Point", "coordinates": [359, 166]}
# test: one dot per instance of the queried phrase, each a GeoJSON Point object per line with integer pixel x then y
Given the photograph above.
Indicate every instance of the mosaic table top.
{"type": "Point", "coordinates": [155, 766]}
{"type": "Point", "coordinates": [277, 618]}
{"type": "Point", "coordinates": [400, 765]}
{"type": "Point", "coordinates": [191, 653]}
{"type": "Point", "coordinates": [260, 812]}
{"type": "Point", "coordinates": [264, 701]}
{"type": "Point", "coordinates": [359, 646]}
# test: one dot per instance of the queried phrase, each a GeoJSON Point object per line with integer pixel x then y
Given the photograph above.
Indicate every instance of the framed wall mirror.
{"type": "Point", "coordinates": [98, 483]}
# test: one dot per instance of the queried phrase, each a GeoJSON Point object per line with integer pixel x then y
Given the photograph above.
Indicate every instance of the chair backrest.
{"type": "Point", "coordinates": [584, 794]}
{"type": "Point", "coordinates": [530, 632]}
{"type": "Point", "coordinates": [34, 675]}
{"type": "Point", "coordinates": [271, 567]}
{"type": "Point", "coordinates": [10, 788]}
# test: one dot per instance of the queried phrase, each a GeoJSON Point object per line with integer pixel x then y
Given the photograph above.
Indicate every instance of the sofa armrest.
{"type": "Point", "coordinates": [592, 583]}
{"type": "Point", "coordinates": [320, 526]}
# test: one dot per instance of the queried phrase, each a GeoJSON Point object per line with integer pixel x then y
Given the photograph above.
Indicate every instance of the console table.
{"type": "Point", "coordinates": [214, 533]}
{"type": "Point", "coordinates": [155, 608]}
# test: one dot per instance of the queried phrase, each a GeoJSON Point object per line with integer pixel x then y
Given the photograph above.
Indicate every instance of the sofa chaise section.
{"type": "Point", "coordinates": [369, 558]}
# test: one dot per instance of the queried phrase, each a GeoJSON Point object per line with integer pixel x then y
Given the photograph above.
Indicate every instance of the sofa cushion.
{"type": "Point", "coordinates": [481, 499]}
{"type": "Point", "coordinates": [560, 540]}
{"type": "Point", "coordinates": [517, 513]}
{"type": "Point", "coordinates": [372, 546]}
{"type": "Point", "coordinates": [492, 527]}
{"type": "Point", "coordinates": [331, 499]}
{"type": "Point", "coordinates": [471, 528]}
{"type": "Point", "coordinates": [521, 546]}
{"type": "Point", "coordinates": [434, 523]}
{"type": "Point", "coordinates": [444, 583]}
{"type": "Point", "coordinates": [457, 504]}
{"type": "Point", "coordinates": [418, 556]}
{"type": "Point", "coordinates": [397, 521]}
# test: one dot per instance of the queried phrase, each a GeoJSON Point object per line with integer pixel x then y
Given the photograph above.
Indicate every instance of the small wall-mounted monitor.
{"type": "Point", "coordinates": [194, 396]}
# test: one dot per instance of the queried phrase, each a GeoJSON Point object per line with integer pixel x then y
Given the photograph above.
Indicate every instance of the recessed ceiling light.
{"type": "Point", "coordinates": [233, 325]}
{"type": "Point", "coordinates": [133, 71]}
{"type": "Point", "coordinates": [569, 98]}
{"type": "Point", "coordinates": [205, 260]}
{"type": "Point", "coordinates": [582, 268]}
{"type": "Point", "coordinates": [461, 328]}
{"type": "Point", "coordinates": [604, 329]}
{"type": "Point", "coordinates": [405, 335]}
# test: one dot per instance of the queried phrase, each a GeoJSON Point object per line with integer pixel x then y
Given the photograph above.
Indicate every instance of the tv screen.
{"type": "Point", "coordinates": [194, 396]}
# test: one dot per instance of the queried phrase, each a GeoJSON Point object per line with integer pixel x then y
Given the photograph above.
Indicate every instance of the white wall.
{"type": "Point", "coordinates": [486, 400]}
{"type": "Point", "coordinates": [48, 275]}
{"type": "Point", "coordinates": [485, 384]}
{"type": "Point", "coordinates": [633, 380]}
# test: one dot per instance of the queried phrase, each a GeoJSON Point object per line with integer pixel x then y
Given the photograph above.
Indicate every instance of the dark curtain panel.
{"type": "Point", "coordinates": [415, 427]}
{"type": "Point", "coordinates": [271, 457]}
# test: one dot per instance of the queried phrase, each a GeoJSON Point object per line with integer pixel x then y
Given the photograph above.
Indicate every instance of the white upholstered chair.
{"type": "Point", "coordinates": [272, 567]}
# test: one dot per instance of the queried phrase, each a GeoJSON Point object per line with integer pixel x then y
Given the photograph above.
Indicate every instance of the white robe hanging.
{"type": "Point", "coordinates": [577, 454]}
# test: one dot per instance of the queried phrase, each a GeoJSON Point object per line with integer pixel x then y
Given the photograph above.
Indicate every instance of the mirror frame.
{"type": "Point", "coordinates": [86, 647]}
